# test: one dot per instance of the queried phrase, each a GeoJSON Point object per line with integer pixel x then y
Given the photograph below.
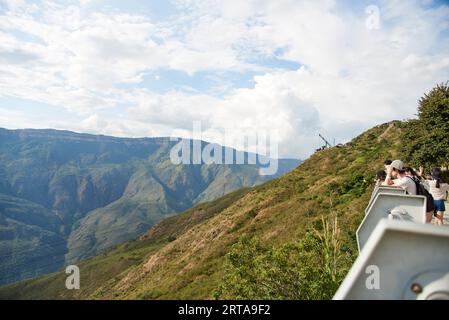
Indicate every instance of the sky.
{"type": "Point", "coordinates": [288, 68]}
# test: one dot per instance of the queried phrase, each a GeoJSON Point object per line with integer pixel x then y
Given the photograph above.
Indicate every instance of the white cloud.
{"type": "Point", "coordinates": [351, 77]}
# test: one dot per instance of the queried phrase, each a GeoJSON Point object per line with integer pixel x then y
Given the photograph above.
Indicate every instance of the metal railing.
{"type": "Point", "coordinates": [401, 257]}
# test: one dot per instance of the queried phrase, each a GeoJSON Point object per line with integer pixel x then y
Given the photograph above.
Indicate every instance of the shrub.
{"type": "Point", "coordinates": [309, 269]}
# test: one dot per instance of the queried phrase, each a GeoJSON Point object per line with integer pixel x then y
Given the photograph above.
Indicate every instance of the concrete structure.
{"type": "Point", "coordinates": [394, 206]}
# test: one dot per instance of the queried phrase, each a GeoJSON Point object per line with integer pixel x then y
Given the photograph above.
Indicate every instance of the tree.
{"type": "Point", "coordinates": [426, 139]}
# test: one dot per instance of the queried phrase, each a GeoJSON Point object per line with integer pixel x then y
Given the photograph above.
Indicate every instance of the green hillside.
{"type": "Point", "coordinates": [184, 257]}
{"type": "Point", "coordinates": [96, 192]}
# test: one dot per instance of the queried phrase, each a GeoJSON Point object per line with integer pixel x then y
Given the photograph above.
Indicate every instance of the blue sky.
{"type": "Point", "coordinates": [152, 68]}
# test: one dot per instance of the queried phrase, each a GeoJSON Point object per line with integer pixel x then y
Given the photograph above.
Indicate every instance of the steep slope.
{"type": "Point", "coordinates": [104, 190]}
{"type": "Point", "coordinates": [106, 267]}
{"type": "Point", "coordinates": [190, 265]}
{"type": "Point", "coordinates": [28, 232]}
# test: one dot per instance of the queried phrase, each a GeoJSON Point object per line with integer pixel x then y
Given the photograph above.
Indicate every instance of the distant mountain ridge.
{"type": "Point", "coordinates": [65, 196]}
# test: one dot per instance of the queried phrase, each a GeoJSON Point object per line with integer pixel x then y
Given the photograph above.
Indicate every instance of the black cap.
{"type": "Point", "coordinates": [381, 174]}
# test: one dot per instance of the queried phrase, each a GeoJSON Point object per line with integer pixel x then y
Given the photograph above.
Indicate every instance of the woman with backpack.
{"type": "Point", "coordinates": [397, 177]}
{"type": "Point", "coordinates": [438, 190]}
{"type": "Point", "coordinates": [410, 184]}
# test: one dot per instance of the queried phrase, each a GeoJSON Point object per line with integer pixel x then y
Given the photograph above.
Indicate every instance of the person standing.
{"type": "Point", "coordinates": [438, 190]}
{"type": "Point", "coordinates": [380, 178]}
{"type": "Point", "coordinates": [387, 163]}
{"type": "Point", "coordinates": [397, 177]}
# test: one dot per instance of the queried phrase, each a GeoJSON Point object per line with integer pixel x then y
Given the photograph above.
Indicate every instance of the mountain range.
{"type": "Point", "coordinates": [66, 196]}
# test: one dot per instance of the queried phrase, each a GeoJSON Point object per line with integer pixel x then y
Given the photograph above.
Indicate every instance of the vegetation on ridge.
{"type": "Point", "coordinates": [426, 140]}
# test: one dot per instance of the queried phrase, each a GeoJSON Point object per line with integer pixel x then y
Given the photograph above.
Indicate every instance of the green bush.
{"type": "Point", "coordinates": [312, 268]}
{"type": "Point", "coordinates": [352, 187]}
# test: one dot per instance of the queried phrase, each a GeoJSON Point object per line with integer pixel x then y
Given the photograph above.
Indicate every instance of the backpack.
{"type": "Point", "coordinates": [422, 191]}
